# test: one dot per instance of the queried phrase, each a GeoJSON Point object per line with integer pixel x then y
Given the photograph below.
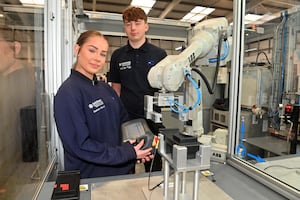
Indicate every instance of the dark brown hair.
{"type": "Point", "coordinates": [132, 13]}
{"type": "Point", "coordinates": [86, 35]}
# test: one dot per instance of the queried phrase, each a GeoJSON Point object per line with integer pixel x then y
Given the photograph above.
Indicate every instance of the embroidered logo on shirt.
{"type": "Point", "coordinates": [151, 63]}
{"type": "Point", "coordinates": [125, 65]}
{"type": "Point", "coordinates": [97, 105]}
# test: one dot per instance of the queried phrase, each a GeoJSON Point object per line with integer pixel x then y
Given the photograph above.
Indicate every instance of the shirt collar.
{"type": "Point", "coordinates": [143, 48]}
{"type": "Point", "coordinates": [80, 75]}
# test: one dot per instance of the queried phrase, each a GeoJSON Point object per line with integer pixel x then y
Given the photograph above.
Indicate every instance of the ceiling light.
{"type": "Point", "coordinates": [258, 19]}
{"type": "Point", "coordinates": [197, 14]}
{"type": "Point", "coordinates": [207, 11]}
{"type": "Point", "coordinates": [267, 17]}
{"type": "Point", "coordinates": [32, 2]}
{"type": "Point", "coordinates": [197, 9]}
{"type": "Point", "coordinates": [188, 16]}
{"type": "Point", "coordinates": [197, 18]}
{"type": "Point", "coordinates": [146, 9]}
{"type": "Point", "coordinates": [252, 17]}
{"type": "Point", "coordinates": [146, 5]}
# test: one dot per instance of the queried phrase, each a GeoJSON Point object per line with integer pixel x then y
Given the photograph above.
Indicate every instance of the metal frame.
{"type": "Point", "coordinates": [179, 162]}
{"type": "Point", "coordinates": [53, 60]}
{"type": "Point", "coordinates": [235, 112]}
{"type": "Point", "coordinates": [236, 73]}
{"type": "Point", "coordinates": [58, 59]}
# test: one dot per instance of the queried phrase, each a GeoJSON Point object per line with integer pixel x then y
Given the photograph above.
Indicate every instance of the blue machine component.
{"type": "Point", "coordinates": [223, 56]}
{"type": "Point", "coordinates": [180, 108]}
{"type": "Point", "coordinates": [241, 148]}
{"type": "Point", "coordinates": [257, 158]}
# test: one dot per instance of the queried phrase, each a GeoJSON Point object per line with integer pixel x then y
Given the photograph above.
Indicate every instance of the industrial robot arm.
{"type": "Point", "coordinates": [205, 48]}
{"type": "Point", "coordinates": [169, 73]}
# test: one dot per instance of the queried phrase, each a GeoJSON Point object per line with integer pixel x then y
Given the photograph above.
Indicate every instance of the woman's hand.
{"type": "Point", "coordinates": [142, 155]}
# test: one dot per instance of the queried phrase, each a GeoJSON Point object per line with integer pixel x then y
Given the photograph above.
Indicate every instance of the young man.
{"type": "Point", "coordinates": [130, 65]}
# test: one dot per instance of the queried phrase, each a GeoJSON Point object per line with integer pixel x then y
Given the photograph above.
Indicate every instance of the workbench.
{"type": "Point", "coordinates": [135, 187]}
{"type": "Point", "coordinates": [229, 181]}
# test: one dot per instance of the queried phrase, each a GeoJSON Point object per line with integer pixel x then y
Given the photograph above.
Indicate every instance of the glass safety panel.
{"type": "Point", "coordinates": [268, 135]}
{"type": "Point", "coordinates": [23, 127]}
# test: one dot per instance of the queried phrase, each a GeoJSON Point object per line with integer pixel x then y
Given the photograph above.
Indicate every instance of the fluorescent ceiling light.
{"type": "Point", "coordinates": [267, 17]}
{"type": "Point", "coordinates": [197, 9]}
{"type": "Point", "coordinates": [188, 16]}
{"type": "Point", "coordinates": [146, 5]}
{"type": "Point", "coordinates": [258, 19]}
{"type": "Point", "coordinates": [32, 2]}
{"type": "Point", "coordinates": [197, 14]}
{"type": "Point", "coordinates": [146, 9]}
{"type": "Point", "coordinates": [207, 11]}
{"type": "Point", "coordinates": [252, 17]}
{"type": "Point", "coordinates": [197, 18]}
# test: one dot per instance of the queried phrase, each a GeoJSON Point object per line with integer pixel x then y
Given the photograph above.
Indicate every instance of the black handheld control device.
{"type": "Point", "coordinates": [138, 130]}
{"type": "Point", "coordinates": [148, 140]}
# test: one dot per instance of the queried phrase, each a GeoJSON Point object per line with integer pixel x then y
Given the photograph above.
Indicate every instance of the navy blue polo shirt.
{"type": "Point", "coordinates": [130, 68]}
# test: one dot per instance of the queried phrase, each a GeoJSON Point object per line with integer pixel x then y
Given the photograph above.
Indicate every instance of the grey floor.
{"type": "Point", "coordinates": [240, 186]}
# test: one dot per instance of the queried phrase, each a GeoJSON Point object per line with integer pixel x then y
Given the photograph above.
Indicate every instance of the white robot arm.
{"type": "Point", "coordinates": [168, 74]}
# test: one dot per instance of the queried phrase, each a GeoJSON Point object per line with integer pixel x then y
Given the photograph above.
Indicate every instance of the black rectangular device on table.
{"type": "Point", "coordinates": [67, 185]}
{"type": "Point", "coordinates": [174, 136]}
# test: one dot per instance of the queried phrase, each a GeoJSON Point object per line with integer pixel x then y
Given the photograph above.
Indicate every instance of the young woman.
{"type": "Point", "coordinates": [89, 114]}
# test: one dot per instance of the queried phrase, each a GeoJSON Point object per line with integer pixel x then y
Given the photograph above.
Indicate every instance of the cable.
{"type": "Point", "coordinates": [224, 55]}
{"type": "Point", "coordinates": [177, 107]}
{"type": "Point", "coordinates": [180, 108]}
{"type": "Point", "coordinates": [282, 166]}
{"type": "Point", "coordinates": [149, 175]}
{"type": "Point", "coordinates": [262, 52]}
{"type": "Point", "coordinates": [151, 166]}
{"type": "Point", "coordinates": [222, 37]}
{"type": "Point", "coordinates": [210, 90]}
{"type": "Point", "coordinates": [283, 54]}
